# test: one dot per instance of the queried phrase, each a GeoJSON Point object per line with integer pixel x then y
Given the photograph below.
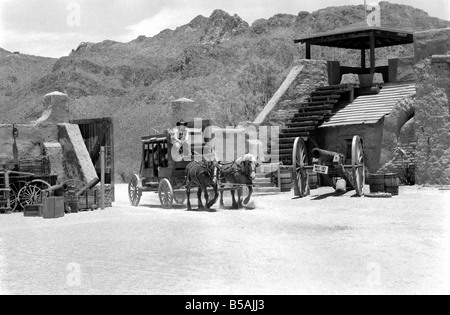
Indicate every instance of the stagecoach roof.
{"type": "Point", "coordinates": [151, 139]}
{"type": "Point", "coordinates": [357, 36]}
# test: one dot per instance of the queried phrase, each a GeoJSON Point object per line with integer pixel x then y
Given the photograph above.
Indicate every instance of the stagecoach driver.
{"type": "Point", "coordinates": [181, 141]}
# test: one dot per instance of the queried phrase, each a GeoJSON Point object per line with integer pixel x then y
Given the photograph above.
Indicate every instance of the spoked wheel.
{"type": "Point", "coordinates": [179, 197]}
{"type": "Point", "coordinates": [134, 191]}
{"type": "Point", "coordinates": [32, 193]}
{"type": "Point", "coordinates": [165, 192]}
{"type": "Point", "coordinates": [358, 166]}
{"type": "Point", "coordinates": [14, 195]}
{"type": "Point", "coordinates": [299, 162]}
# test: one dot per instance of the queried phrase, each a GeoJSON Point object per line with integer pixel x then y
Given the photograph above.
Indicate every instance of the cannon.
{"type": "Point", "coordinates": [328, 157]}
{"type": "Point", "coordinates": [328, 163]}
{"type": "Point", "coordinates": [57, 190]}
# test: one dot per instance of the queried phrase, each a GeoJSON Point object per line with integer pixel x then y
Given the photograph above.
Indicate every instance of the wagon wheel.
{"type": "Point", "coordinates": [299, 162]}
{"type": "Point", "coordinates": [14, 194]}
{"type": "Point", "coordinates": [134, 191]}
{"type": "Point", "coordinates": [165, 192]}
{"type": "Point", "coordinates": [32, 193]}
{"type": "Point", "coordinates": [358, 166]}
{"type": "Point", "coordinates": [179, 197]}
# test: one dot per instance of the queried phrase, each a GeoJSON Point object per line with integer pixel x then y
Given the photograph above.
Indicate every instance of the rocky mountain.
{"type": "Point", "coordinates": [227, 66]}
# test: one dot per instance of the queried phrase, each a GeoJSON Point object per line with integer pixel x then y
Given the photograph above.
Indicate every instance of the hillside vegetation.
{"type": "Point", "coordinates": [230, 68]}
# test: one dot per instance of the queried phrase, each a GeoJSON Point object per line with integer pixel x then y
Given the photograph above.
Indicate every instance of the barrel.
{"type": "Point", "coordinates": [376, 182]}
{"type": "Point", "coordinates": [391, 184]}
{"type": "Point", "coordinates": [313, 180]}
{"type": "Point", "coordinates": [285, 180]}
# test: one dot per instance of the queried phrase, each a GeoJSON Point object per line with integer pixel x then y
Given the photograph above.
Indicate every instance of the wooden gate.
{"type": "Point", "coordinates": [97, 133]}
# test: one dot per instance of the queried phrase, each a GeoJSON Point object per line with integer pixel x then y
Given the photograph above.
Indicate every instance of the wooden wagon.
{"type": "Point", "coordinates": [22, 183]}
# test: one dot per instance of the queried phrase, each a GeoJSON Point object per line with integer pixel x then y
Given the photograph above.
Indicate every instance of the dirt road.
{"type": "Point", "coordinates": [322, 244]}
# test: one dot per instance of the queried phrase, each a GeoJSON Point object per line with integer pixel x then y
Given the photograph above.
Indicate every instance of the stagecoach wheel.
{"type": "Point", "coordinates": [358, 165]}
{"type": "Point", "coordinates": [299, 162]}
{"type": "Point", "coordinates": [134, 191]}
{"type": "Point", "coordinates": [165, 192]}
{"type": "Point", "coordinates": [179, 197]}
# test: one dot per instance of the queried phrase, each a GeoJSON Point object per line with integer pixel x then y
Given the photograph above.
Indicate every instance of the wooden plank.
{"type": "Point", "coordinates": [314, 108]}
{"type": "Point", "coordinates": [325, 102]}
{"type": "Point", "coordinates": [309, 118]}
{"type": "Point", "coordinates": [329, 92]}
{"type": "Point", "coordinates": [302, 124]}
{"type": "Point", "coordinates": [333, 87]}
{"type": "Point", "coordinates": [297, 130]}
{"type": "Point", "coordinates": [315, 113]}
{"type": "Point", "coordinates": [325, 97]}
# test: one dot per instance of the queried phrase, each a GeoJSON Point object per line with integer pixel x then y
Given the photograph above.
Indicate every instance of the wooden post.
{"type": "Point", "coordinates": [102, 166]}
{"type": "Point", "coordinates": [363, 58]}
{"type": "Point", "coordinates": [308, 51]}
{"type": "Point", "coordinates": [7, 192]}
{"type": "Point", "coordinates": [372, 53]}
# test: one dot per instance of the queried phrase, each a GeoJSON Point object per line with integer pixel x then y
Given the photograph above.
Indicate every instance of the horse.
{"type": "Point", "coordinates": [201, 174]}
{"type": "Point", "coordinates": [240, 172]}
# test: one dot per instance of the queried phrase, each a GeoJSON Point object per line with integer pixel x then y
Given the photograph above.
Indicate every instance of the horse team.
{"type": "Point", "coordinates": [218, 175]}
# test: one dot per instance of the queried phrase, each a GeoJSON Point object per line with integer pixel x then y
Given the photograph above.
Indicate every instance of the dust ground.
{"type": "Point", "coordinates": [322, 244]}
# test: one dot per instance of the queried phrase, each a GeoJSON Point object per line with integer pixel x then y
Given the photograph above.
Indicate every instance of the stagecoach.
{"type": "Point", "coordinates": [163, 169]}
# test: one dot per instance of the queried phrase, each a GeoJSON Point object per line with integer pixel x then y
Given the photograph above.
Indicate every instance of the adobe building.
{"type": "Point", "coordinates": [51, 140]}
{"type": "Point", "coordinates": [400, 110]}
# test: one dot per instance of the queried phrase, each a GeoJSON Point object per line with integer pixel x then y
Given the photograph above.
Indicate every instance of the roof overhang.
{"type": "Point", "coordinates": [358, 37]}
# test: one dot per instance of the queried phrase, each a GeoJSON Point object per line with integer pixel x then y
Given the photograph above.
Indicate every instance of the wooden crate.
{"type": "Point", "coordinates": [33, 210]}
{"type": "Point", "coordinates": [53, 207]}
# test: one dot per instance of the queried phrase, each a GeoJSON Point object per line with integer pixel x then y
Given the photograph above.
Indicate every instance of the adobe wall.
{"type": "Point", "coordinates": [338, 139]}
{"type": "Point", "coordinates": [432, 121]}
{"type": "Point", "coordinates": [51, 137]}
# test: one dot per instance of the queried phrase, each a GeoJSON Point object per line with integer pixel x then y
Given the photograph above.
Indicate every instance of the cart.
{"type": "Point", "coordinates": [19, 189]}
{"type": "Point", "coordinates": [163, 172]}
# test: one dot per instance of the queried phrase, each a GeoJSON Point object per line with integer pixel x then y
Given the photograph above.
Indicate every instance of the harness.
{"type": "Point", "coordinates": [231, 169]}
{"type": "Point", "coordinates": [203, 169]}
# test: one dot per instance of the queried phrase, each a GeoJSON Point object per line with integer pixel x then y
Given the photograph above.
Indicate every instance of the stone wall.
{"type": "Point", "coordinates": [339, 139]}
{"type": "Point", "coordinates": [29, 143]}
{"type": "Point", "coordinates": [429, 43]}
{"type": "Point", "coordinates": [393, 126]}
{"type": "Point", "coordinates": [403, 159]}
{"type": "Point", "coordinates": [50, 137]}
{"type": "Point", "coordinates": [401, 70]}
{"type": "Point", "coordinates": [304, 77]}
{"type": "Point", "coordinates": [432, 120]}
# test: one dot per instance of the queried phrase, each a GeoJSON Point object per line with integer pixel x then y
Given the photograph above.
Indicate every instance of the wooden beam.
{"type": "Point", "coordinates": [363, 58]}
{"type": "Point", "coordinates": [372, 53]}
{"type": "Point", "coordinates": [308, 50]}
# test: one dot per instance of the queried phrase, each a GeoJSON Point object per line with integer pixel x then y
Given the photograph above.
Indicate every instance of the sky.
{"type": "Point", "coordinates": [52, 28]}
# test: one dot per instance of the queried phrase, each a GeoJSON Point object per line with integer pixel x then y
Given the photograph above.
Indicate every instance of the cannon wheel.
{"type": "Point", "coordinates": [358, 166]}
{"type": "Point", "coordinates": [165, 192]}
{"type": "Point", "coordinates": [299, 162]}
{"type": "Point", "coordinates": [32, 193]}
{"type": "Point", "coordinates": [134, 192]}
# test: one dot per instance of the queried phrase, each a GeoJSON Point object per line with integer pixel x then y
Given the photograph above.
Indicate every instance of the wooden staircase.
{"type": "Point", "coordinates": [318, 107]}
